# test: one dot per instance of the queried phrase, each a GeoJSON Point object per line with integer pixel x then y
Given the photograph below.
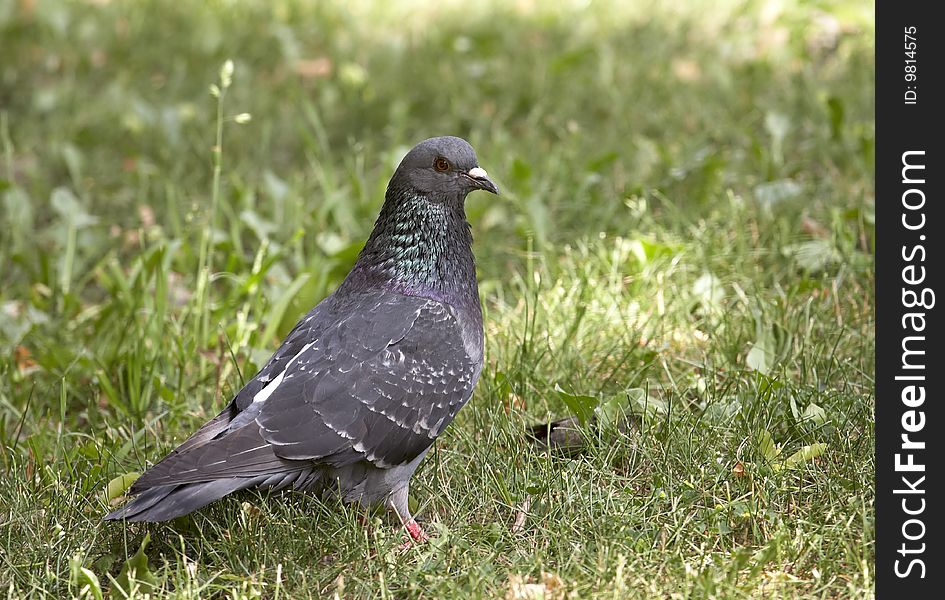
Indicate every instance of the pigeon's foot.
{"type": "Point", "coordinates": [398, 503]}
{"type": "Point", "coordinates": [416, 532]}
{"type": "Point", "coordinates": [417, 535]}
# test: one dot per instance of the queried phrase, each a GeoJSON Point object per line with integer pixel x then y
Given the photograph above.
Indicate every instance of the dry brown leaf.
{"type": "Point", "coordinates": [520, 515]}
{"type": "Point", "coordinates": [551, 588]}
{"type": "Point", "coordinates": [813, 228]}
{"type": "Point", "coordinates": [519, 589]}
{"type": "Point", "coordinates": [686, 70]}
{"type": "Point", "coordinates": [313, 68]}
{"type": "Point", "coordinates": [251, 510]}
{"type": "Point", "coordinates": [554, 585]}
{"type": "Point", "coordinates": [514, 401]}
{"type": "Point", "coordinates": [24, 360]}
{"type": "Point", "coordinates": [146, 214]}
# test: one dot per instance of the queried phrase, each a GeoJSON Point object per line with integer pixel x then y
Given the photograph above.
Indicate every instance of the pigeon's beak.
{"type": "Point", "coordinates": [481, 180]}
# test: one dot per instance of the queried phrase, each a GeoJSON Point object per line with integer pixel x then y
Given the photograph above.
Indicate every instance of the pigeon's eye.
{"type": "Point", "coordinates": [441, 164]}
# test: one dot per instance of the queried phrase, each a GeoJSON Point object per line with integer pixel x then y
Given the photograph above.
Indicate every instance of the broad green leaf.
{"type": "Point", "coordinates": [117, 486]}
{"type": "Point", "coordinates": [582, 406]}
{"type": "Point", "coordinates": [614, 409]}
{"type": "Point", "coordinates": [766, 446]}
{"type": "Point", "coordinates": [772, 342]}
{"type": "Point", "coordinates": [837, 112]}
{"type": "Point", "coordinates": [722, 411]}
{"type": "Point", "coordinates": [261, 227]}
{"type": "Point", "coordinates": [276, 187]}
{"type": "Point", "coordinates": [331, 243]}
{"type": "Point", "coordinates": [760, 357]}
{"type": "Point", "coordinates": [643, 404]}
{"type": "Point", "coordinates": [89, 584]}
{"type": "Point", "coordinates": [598, 163]}
{"type": "Point", "coordinates": [645, 251]}
{"type": "Point", "coordinates": [814, 414]}
{"type": "Point", "coordinates": [778, 126]}
{"type": "Point", "coordinates": [805, 454]}
{"type": "Point", "coordinates": [84, 579]}
{"type": "Point", "coordinates": [17, 213]}
{"type": "Point", "coordinates": [795, 411]}
{"type": "Point", "coordinates": [521, 170]}
{"type": "Point", "coordinates": [135, 574]}
{"type": "Point", "coordinates": [503, 385]}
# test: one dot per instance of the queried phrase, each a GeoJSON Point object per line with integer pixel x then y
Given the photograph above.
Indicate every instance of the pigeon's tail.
{"type": "Point", "coordinates": [166, 502]}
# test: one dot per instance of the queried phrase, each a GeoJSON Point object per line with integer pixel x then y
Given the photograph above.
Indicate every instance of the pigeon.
{"type": "Point", "coordinates": [353, 399]}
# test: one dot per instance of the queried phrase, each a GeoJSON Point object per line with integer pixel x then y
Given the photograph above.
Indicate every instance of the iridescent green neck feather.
{"type": "Point", "coordinates": [420, 246]}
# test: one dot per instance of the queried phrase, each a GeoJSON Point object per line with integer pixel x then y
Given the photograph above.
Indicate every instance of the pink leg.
{"type": "Point", "coordinates": [416, 532]}
{"type": "Point", "coordinates": [398, 502]}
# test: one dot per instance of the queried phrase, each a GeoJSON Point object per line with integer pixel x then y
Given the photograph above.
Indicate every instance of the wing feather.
{"type": "Point", "coordinates": [377, 377]}
{"type": "Point", "coordinates": [384, 379]}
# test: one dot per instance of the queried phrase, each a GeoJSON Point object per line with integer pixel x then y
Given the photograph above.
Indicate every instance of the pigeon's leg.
{"type": "Point", "coordinates": [398, 502]}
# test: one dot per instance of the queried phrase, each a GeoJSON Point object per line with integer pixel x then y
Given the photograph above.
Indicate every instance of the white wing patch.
{"type": "Point", "coordinates": [263, 394]}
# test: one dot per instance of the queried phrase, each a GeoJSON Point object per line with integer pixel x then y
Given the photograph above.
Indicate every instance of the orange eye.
{"type": "Point", "coordinates": [441, 164]}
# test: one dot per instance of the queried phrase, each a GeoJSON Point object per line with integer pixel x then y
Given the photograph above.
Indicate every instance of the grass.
{"type": "Point", "coordinates": [686, 228]}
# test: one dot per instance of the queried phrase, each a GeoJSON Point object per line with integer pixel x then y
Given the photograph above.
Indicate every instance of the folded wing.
{"type": "Point", "coordinates": [377, 378]}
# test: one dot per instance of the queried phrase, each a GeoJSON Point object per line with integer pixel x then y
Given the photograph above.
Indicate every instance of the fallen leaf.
{"type": "Point", "coordinates": [686, 70]}
{"type": "Point", "coordinates": [813, 228]}
{"type": "Point", "coordinates": [313, 68]}
{"type": "Point", "coordinates": [805, 454]}
{"type": "Point", "coordinates": [519, 589]}
{"type": "Point", "coordinates": [135, 575]}
{"type": "Point", "coordinates": [554, 586]}
{"type": "Point", "coordinates": [117, 487]}
{"type": "Point", "coordinates": [551, 588]}
{"type": "Point", "coordinates": [146, 214]}
{"type": "Point", "coordinates": [514, 402]}
{"type": "Point", "coordinates": [24, 360]}
{"type": "Point", "coordinates": [520, 515]}
{"type": "Point", "coordinates": [250, 509]}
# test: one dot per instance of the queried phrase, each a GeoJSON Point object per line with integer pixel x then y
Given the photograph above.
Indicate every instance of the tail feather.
{"type": "Point", "coordinates": [141, 502]}
{"type": "Point", "coordinates": [171, 501]}
{"type": "Point", "coordinates": [164, 502]}
{"type": "Point", "coordinates": [241, 454]}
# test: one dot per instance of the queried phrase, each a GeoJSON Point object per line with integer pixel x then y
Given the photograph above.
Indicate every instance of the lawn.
{"type": "Point", "coordinates": [684, 242]}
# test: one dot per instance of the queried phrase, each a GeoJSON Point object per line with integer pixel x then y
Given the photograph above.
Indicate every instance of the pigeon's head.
{"type": "Point", "coordinates": [443, 167]}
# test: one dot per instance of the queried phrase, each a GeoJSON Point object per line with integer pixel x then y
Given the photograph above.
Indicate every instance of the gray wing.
{"type": "Point", "coordinates": [234, 415]}
{"type": "Point", "coordinates": [379, 382]}
{"type": "Point", "coordinates": [385, 382]}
